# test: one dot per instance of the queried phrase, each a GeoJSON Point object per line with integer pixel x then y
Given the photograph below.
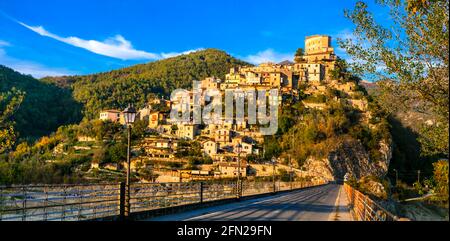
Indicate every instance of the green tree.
{"type": "Point", "coordinates": [299, 55]}
{"type": "Point", "coordinates": [139, 129]}
{"type": "Point", "coordinates": [410, 57]}
{"type": "Point", "coordinates": [342, 72]}
{"type": "Point", "coordinates": [299, 52]}
{"type": "Point", "coordinates": [43, 109]}
{"type": "Point", "coordinates": [272, 147]}
{"type": "Point", "coordinates": [147, 173]}
{"type": "Point", "coordinates": [441, 179]}
{"type": "Point", "coordinates": [117, 152]}
{"type": "Point", "coordinates": [9, 103]}
{"type": "Point", "coordinates": [100, 156]}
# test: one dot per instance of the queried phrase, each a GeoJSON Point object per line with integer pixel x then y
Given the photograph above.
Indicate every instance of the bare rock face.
{"type": "Point", "coordinates": [319, 169]}
{"type": "Point", "coordinates": [350, 157]}
{"type": "Point", "coordinates": [373, 187]}
{"type": "Point", "coordinates": [386, 151]}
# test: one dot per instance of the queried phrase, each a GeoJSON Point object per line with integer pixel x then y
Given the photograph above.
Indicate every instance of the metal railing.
{"type": "Point", "coordinates": [58, 202]}
{"type": "Point", "coordinates": [94, 201]}
{"type": "Point", "coordinates": [366, 209]}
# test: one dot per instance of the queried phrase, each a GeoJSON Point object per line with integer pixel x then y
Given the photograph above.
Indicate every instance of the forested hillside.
{"type": "Point", "coordinates": [118, 88]}
{"type": "Point", "coordinates": [44, 108]}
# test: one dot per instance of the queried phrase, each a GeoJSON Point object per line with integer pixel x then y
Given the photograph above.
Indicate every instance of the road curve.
{"type": "Point", "coordinates": [323, 203]}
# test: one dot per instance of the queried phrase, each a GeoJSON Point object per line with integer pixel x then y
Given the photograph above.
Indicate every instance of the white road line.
{"type": "Point", "coordinates": [334, 216]}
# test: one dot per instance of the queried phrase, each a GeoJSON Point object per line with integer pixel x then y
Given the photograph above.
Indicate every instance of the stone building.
{"type": "Point", "coordinates": [314, 66]}
{"type": "Point", "coordinates": [319, 59]}
{"type": "Point", "coordinates": [230, 169]}
{"type": "Point", "coordinates": [223, 135]}
{"type": "Point", "coordinates": [155, 119]}
{"type": "Point", "coordinates": [187, 131]}
{"type": "Point", "coordinates": [145, 112]}
{"type": "Point", "coordinates": [211, 83]}
{"type": "Point", "coordinates": [307, 72]}
{"type": "Point", "coordinates": [210, 147]}
{"type": "Point", "coordinates": [111, 115]}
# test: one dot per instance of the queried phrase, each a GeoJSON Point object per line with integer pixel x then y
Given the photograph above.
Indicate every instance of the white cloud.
{"type": "Point", "coordinates": [4, 43]}
{"type": "Point", "coordinates": [114, 47]}
{"type": "Point", "coordinates": [37, 70]}
{"type": "Point", "coordinates": [268, 55]}
{"type": "Point", "coordinates": [29, 67]}
{"type": "Point", "coordinates": [173, 54]}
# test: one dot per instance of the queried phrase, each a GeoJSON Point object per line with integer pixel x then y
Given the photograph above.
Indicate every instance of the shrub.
{"type": "Point", "coordinates": [441, 179]}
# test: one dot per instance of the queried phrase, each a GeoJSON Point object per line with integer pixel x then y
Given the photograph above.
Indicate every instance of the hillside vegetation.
{"type": "Point", "coordinates": [412, 49]}
{"type": "Point", "coordinates": [312, 134]}
{"type": "Point", "coordinates": [43, 108]}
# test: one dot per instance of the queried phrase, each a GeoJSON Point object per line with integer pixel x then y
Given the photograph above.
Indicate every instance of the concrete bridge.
{"type": "Point", "coordinates": [321, 203]}
{"type": "Point", "coordinates": [206, 201]}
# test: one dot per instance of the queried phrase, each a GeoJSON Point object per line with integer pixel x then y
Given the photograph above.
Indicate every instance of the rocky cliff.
{"type": "Point", "coordinates": [349, 156]}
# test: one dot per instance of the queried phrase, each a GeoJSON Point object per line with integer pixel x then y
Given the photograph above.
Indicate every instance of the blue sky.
{"type": "Point", "coordinates": [80, 37]}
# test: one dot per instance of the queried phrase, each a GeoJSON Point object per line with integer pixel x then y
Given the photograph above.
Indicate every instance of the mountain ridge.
{"type": "Point", "coordinates": [45, 106]}
{"type": "Point", "coordinates": [70, 78]}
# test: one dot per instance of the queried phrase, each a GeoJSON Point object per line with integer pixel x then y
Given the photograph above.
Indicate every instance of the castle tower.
{"type": "Point", "coordinates": [318, 48]}
{"type": "Point", "coordinates": [318, 59]}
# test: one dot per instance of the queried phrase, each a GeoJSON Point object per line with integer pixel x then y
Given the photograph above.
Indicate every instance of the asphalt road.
{"type": "Point", "coordinates": [323, 203]}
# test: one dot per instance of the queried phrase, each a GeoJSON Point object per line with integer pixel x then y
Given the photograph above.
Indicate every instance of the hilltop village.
{"type": "Point", "coordinates": [222, 145]}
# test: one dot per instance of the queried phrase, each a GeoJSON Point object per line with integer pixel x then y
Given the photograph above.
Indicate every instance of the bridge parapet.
{"type": "Point", "coordinates": [59, 202]}
{"type": "Point", "coordinates": [106, 201]}
{"type": "Point", "coordinates": [366, 209]}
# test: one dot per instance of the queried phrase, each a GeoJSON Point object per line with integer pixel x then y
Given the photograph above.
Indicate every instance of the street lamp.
{"type": "Point", "coordinates": [238, 150]}
{"type": "Point", "coordinates": [129, 115]}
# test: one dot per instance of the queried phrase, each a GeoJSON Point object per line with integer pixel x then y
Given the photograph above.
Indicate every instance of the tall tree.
{"type": "Point", "coordinates": [299, 55]}
{"type": "Point", "coordinates": [409, 55]}
{"type": "Point", "coordinates": [299, 52]}
{"type": "Point", "coordinates": [9, 103]}
{"type": "Point", "coordinates": [341, 71]}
